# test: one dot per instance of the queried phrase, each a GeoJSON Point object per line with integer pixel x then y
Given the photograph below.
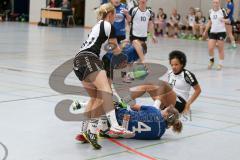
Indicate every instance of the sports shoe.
{"type": "Point", "coordinates": [81, 138]}
{"type": "Point", "coordinates": [232, 46]}
{"type": "Point", "coordinates": [120, 132]}
{"type": "Point", "coordinates": [75, 107]}
{"type": "Point", "coordinates": [92, 139]}
{"type": "Point", "coordinates": [210, 65]}
{"type": "Point", "coordinates": [104, 134]}
{"type": "Point", "coordinates": [219, 67]}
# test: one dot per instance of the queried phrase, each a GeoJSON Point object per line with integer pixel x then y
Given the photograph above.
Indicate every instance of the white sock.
{"type": "Point", "coordinates": [83, 104]}
{"type": "Point", "coordinates": [92, 126]}
{"type": "Point", "coordinates": [103, 123]}
{"type": "Point", "coordinates": [221, 62]}
{"type": "Point", "coordinates": [211, 57]}
{"type": "Point", "coordinates": [83, 126]}
{"type": "Point", "coordinates": [157, 104]}
{"type": "Point", "coordinates": [111, 115]}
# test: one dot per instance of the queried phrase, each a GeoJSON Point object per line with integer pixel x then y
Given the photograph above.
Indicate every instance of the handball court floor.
{"type": "Point", "coordinates": [30, 129]}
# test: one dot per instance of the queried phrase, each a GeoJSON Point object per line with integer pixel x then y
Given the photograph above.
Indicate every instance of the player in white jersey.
{"type": "Point", "coordinates": [141, 23]}
{"type": "Point", "coordinates": [89, 68]}
{"type": "Point", "coordinates": [182, 81]}
{"type": "Point", "coordinates": [189, 24]}
{"type": "Point", "coordinates": [217, 20]}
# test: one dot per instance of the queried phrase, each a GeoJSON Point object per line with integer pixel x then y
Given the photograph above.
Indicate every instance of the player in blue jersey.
{"type": "Point", "coordinates": [229, 25]}
{"type": "Point", "coordinates": [150, 122]}
{"type": "Point", "coordinates": [129, 56]}
{"type": "Point", "coordinates": [147, 122]}
{"type": "Point", "coordinates": [120, 19]}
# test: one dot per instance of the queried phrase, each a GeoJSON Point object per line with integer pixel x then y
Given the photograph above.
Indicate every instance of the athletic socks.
{"type": "Point", "coordinates": [92, 126]}
{"type": "Point", "coordinates": [211, 58]}
{"type": "Point", "coordinates": [157, 104]}
{"type": "Point", "coordinates": [103, 124]}
{"type": "Point", "coordinates": [111, 116]}
{"type": "Point", "coordinates": [221, 62]}
{"type": "Point", "coordinates": [83, 126]}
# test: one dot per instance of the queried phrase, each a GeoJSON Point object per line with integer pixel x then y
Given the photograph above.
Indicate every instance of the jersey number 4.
{"type": "Point", "coordinates": [142, 127]}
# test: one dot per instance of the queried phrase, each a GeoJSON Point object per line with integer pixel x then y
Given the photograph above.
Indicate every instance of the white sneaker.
{"type": "Point", "coordinates": [120, 132]}
{"type": "Point", "coordinates": [210, 65]}
{"type": "Point", "coordinates": [219, 67]}
{"type": "Point", "coordinates": [76, 108]}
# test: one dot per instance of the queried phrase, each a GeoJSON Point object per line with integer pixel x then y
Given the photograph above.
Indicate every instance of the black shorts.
{"type": "Point", "coordinates": [188, 28]}
{"type": "Point", "coordinates": [86, 63]}
{"type": "Point", "coordinates": [120, 38]}
{"type": "Point", "coordinates": [132, 38]}
{"type": "Point", "coordinates": [218, 36]}
{"type": "Point", "coordinates": [180, 104]}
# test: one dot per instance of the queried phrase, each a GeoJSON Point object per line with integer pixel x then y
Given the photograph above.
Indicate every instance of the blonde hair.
{"type": "Point", "coordinates": [104, 10]}
{"type": "Point", "coordinates": [173, 119]}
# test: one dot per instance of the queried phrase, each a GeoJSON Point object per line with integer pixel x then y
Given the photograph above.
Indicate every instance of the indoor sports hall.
{"type": "Point", "coordinates": [39, 41]}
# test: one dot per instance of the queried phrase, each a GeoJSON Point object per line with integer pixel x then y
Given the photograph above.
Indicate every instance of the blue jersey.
{"type": "Point", "coordinates": [104, 1]}
{"type": "Point", "coordinates": [119, 23]}
{"type": "Point", "coordinates": [129, 52]}
{"type": "Point", "coordinates": [230, 6]}
{"type": "Point", "coordinates": [147, 123]}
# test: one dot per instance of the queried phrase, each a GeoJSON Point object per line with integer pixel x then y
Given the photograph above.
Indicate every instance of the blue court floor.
{"type": "Point", "coordinates": [30, 129]}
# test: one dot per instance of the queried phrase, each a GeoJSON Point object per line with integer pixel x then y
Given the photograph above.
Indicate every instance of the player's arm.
{"type": "Point", "coordinates": [116, 48]}
{"type": "Point", "coordinates": [197, 92]}
{"type": "Point", "coordinates": [127, 15]}
{"type": "Point", "coordinates": [208, 25]}
{"type": "Point", "coordinates": [152, 31]}
{"type": "Point", "coordinates": [191, 79]}
{"type": "Point", "coordinates": [113, 40]}
{"type": "Point", "coordinates": [225, 18]}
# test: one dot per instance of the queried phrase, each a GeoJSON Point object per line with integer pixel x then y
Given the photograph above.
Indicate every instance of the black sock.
{"type": "Point", "coordinates": [212, 60]}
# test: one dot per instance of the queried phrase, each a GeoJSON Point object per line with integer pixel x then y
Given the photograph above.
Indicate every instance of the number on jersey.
{"type": "Point", "coordinates": [142, 127]}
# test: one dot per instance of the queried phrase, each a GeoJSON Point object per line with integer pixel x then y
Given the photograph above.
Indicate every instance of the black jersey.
{"type": "Point", "coordinates": [100, 33]}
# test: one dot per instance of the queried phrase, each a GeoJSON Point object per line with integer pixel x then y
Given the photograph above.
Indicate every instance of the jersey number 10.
{"type": "Point", "coordinates": [143, 19]}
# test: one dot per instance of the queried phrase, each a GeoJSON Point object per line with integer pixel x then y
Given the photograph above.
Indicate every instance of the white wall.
{"type": "Point", "coordinates": [35, 8]}
{"type": "Point", "coordinates": [167, 5]}
{"type": "Point", "coordinates": [90, 14]}
{"type": "Point", "coordinates": [181, 5]}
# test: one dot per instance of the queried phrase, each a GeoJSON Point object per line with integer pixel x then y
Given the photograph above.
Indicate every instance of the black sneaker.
{"type": "Point", "coordinates": [104, 134]}
{"type": "Point", "coordinates": [92, 139]}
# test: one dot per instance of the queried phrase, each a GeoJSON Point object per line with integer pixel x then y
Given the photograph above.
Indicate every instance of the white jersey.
{"type": "Point", "coordinates": [139, 24]}
{"type": "Point", "coordinates": [131, 4]}
{"type": "Point", "coordinates": [216, 16]}
{"type": "Point", "coordinates": [182, 83]}
{"type": "Point", "coordinates": [100, 33]}
{"type": "Point", "coordinates": [191, 20]}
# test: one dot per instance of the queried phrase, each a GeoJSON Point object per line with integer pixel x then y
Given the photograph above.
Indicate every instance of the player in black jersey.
{"type": "Point", "coordinates": [89, 68]}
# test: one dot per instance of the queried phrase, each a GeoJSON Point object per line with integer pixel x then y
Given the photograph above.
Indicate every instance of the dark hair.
{"type": "Point", "coordinates": [178, 55]}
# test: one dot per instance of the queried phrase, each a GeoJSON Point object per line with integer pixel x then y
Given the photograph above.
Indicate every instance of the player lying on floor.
{"type": "Point", "coordinates": [148, 122]}
{"type": "Point", "coordinates": [126, 59]}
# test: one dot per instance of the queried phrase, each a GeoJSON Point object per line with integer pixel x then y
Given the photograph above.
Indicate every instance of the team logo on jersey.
{"type": "Point", "coordinates": [119, 17]}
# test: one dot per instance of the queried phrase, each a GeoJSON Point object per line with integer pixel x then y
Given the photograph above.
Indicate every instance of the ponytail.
{"type": "Point", "coordinates": [104, 10]}
{"type": "Point", "coordinates": [177, 127]}
{"type": "Point", "coordinates": [172, 119]}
